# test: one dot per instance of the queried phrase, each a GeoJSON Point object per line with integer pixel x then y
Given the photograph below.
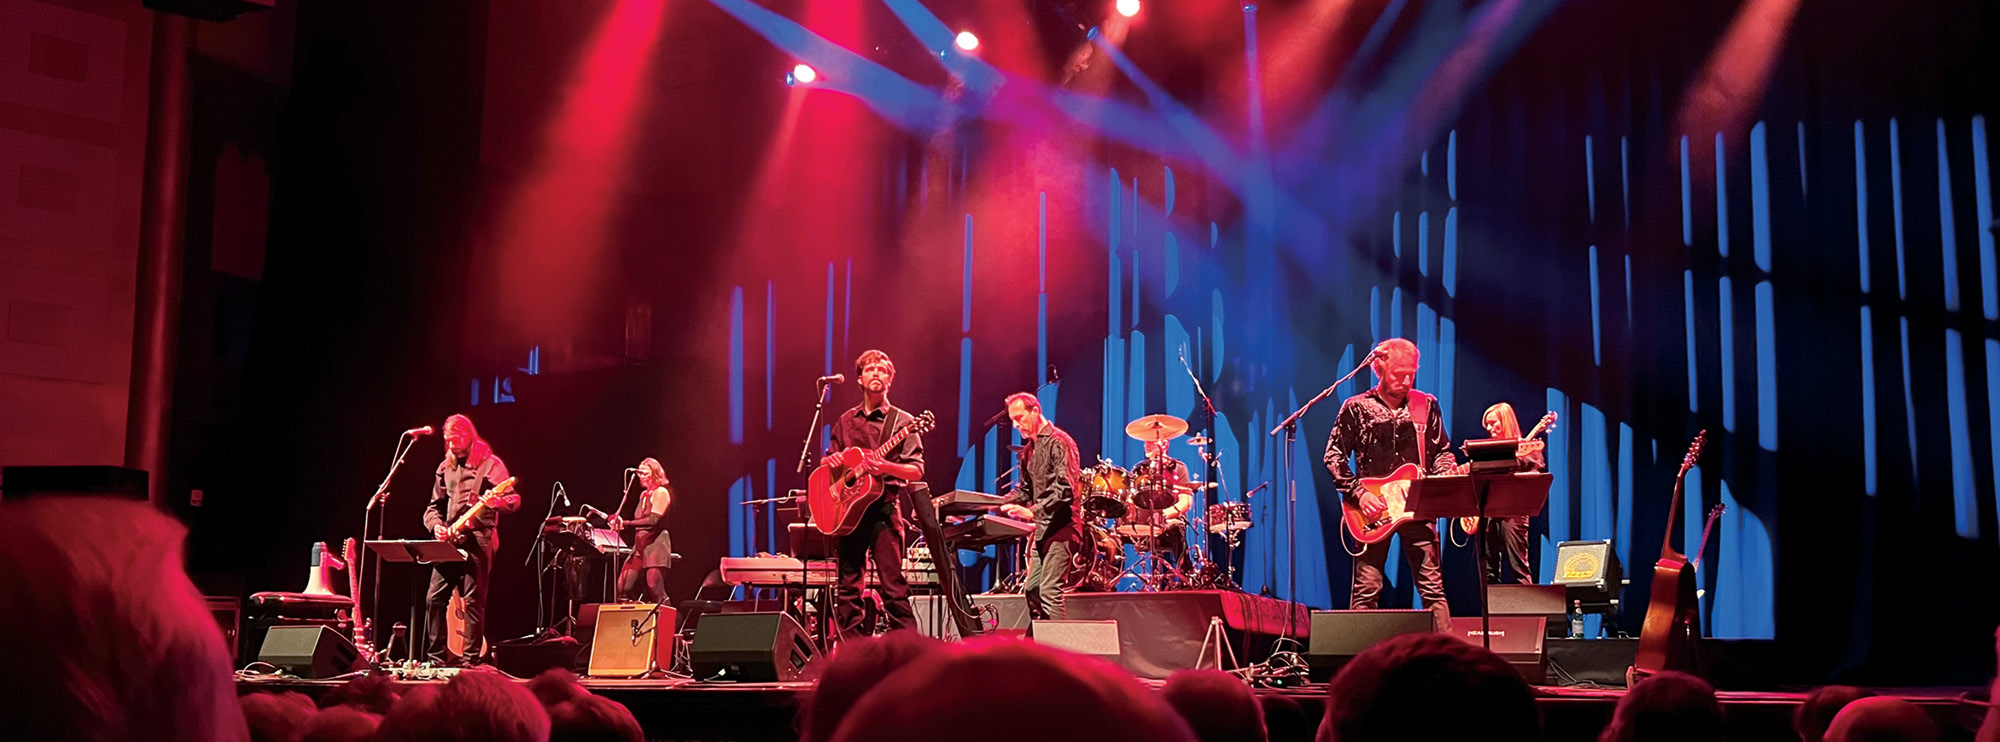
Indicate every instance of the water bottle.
{"type": "Point", "coordinates": [1576, 619]}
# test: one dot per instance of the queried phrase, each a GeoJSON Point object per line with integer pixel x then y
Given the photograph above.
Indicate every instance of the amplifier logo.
{"type": "Point", "coordinates": [1580, 566]}
{"type": "Point", "coordinates": [1502, 633]}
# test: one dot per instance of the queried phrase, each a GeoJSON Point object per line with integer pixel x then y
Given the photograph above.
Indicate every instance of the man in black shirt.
{"type": "Point", "coordinates": [1049, 472]}
{"type": "Point", "coordinates": [1384, 428]}
{"type": "Point", "coordinates": [879, 534]}
{"type": "Point", "coordinates": [469, 466]}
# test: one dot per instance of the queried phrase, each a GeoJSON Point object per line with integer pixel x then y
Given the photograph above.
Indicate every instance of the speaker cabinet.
{"type": "Point", "coordinates": [1337, 636]}
{"type": "Point", "coordinates": [1551, 602]}
{"type": "Point", "coordinates": [1094, 638]}
{"type": "Point", "coordinates": [631, 639]}
{"type": "Point", "coordinates": [750, 647]}
{"type": "Point", "coordinates": [309, 651]}
{"type": "Point", "coordinates": [1517, 639]}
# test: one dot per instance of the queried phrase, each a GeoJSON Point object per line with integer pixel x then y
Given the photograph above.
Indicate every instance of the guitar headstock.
{"type": "Point", "coordinates": [1694, 451]}
{"type": "Point", "coordinates": [923, 423]}
{"type": "Point", "coordinates": [1547, 424]}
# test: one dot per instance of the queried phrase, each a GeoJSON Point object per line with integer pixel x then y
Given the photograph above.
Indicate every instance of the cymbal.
{"type": "Point", "coordinates": [1153, 428]}
{"type": "Point", "coordinates": [1200, 440]}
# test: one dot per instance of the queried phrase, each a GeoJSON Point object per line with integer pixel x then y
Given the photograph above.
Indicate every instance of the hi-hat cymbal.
{"type": "Point", "coordinates": [1200, 440]}
{"type": "Point", "coordinates": [1156, 428]}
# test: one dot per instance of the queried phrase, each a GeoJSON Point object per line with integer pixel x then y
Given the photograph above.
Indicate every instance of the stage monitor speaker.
{"type": "Point", "coordinates": [312, 652]}
{"type": "Point", "coordinates": [1517, 639]}
{"type": "Point", "coordinates": [750, 647]}
{"type": "Point", "coordinates": [1337, 636]}
{"type": "Point", "coordinates": [1548, 601]}
{"type": "Point", "coordinates": [526, 659]}
{"type": "Point", "coordinates": [631, 639]}
{"type": "Point", "coordinates": [1094, 638]}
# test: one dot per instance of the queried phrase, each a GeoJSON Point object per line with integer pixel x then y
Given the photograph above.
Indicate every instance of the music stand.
{"type": "Point", "coordinates": [1485, 496]}
{"type": "Point", "coordinates": [423, 551]}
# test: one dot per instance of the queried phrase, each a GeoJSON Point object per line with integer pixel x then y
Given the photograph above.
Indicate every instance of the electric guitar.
{"type": "Point", "coordinates": [1394, 490]}
{"type": "Point", "coordinates": [1548, 423]}
{"type": "Point", "coordinates": [462, 528]}
{"type": "Point", "coordinates": [839, 492]}
{"type": "Point", "coordinates": [1673, 616]}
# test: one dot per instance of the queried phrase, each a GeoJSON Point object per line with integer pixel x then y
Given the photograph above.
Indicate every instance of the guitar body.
{"type": "Point", "coordinates": [839, 494]}
{"type": "Point", "coordinates": [454, 626]}
{"type": "Point", "coordinates": [461, 529]}
{"type": "Point", "coordinates": [1670, 619]}
{"type": "Point", "coordinates": [1393, 489]}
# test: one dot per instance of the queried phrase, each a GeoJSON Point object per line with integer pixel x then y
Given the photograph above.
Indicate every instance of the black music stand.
{"type": "Point", "coordinates": [1485, 496]}
{"type": "Point", "coordinates": [421, 551]}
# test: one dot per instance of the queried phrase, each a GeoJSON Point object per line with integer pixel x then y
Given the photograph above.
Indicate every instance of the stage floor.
{"type": "Point", "coordinates": [674, 709]}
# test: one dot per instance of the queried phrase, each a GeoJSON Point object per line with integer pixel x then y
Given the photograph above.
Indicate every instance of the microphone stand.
{"type": "Point", "coordinates": [618, 559]}
{"type": "Point", "coordinates": [812, 433]}
{"type": "Point", "coordinates": [544, 608]}
{"type": "Point", "coordinates": [1214, 466]}
{"type": "Point", "coordinates": [1290, 427]}
{"type": "Point", "coordinates": [380, 499]}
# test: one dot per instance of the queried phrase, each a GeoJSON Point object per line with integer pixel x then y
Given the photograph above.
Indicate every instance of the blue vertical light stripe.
{"type": "Point", "coordinates": [1396, 312]}
{"type": "Point", "coordinates": [1982, 205]}
{"type": "Point", "coordinates": [1760, 198]}
{"type": "Point", "coordinates": [965, 281]}
{"type": "Point", "coordinates": [1803, 192]}
{"type": "Point", "coordinates": [736, 370]}
{"type": "Point", "coordinates": [1687, 196]}
{"type": "Point", "coordinates": [1964, 494]}
{"type": "Point", "coordinates": [1721, 198]}
{"type": "Point", "coordinates": [1137, 270]}
{"type": "Point", "coordinates": [1694, 374]}
{"type": "Point", "coordinates": [1375, 314]}
{"type": "Point", "coordinates": [1170, 264]}
{"type": "Point", "coordinates": [1626, 508]}
{"type": "Point", "coordinates": [1596, 313]}
{"type": "Point", "coordinates": [1896, 199]}
{"type": "Point", "coordinates": [1743, 599]}
{"type": "Point", "coordinates": [1559, 499]}
{"type": "Point", "coordinates": [1726, 342]}
{"type": "Point", "coordinates": [965, 393]}
{"type": "Point", "coordinates": [1992, 419]}
{"type": "Point", "coordinates": [1767, 368]}
{"type": "Point", "coordinates": [1861, 200]}
{"type": "Point", "coordinates": [1594, 494]}
{"type": "Point", "coordinates": [770, 512]}
{"type": "Point", "coordinates": [1692, 515]}
{"type": "Point", "coordinates": [1868, 431]}
{"type": "Point", "coordinates": [1910, 408]}
{"type": "Point", "coordinates": [1135, 400]}
{"type": "Point", "coordinates": [1947, 235]}
{"type": "Point", "coordinates": [1427, 348]}
{"type": "Point", "coordinates": [1451, 164]}
{"type": "Point", "coordinates": [1451, 251]}
{"type": "Point", "coordinates": [1589, 180]}
{"type": "Point", "coordinates": [770, 346]}
{"type": "Point", "coordinates": [1424, 243]}
{"type": "Point", "coordinates": [739, 519]}
{"type": "Point", "coordinates": [1215, 318]}
{"type": "Point", "coordinates": [1447, 365]}
{"type": "Point", "coordinates": [1041, 240]}
{"type": "Point", "coordinates": [1625, 176]}
{"type": "Point", "coordinates": [1628, 295]}
{"type": "Point", "coordinates": [1396, 234]}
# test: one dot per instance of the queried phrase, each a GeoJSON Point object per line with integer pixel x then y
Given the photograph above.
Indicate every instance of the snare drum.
{"type": "Point", "coordinates": [1228, 517]}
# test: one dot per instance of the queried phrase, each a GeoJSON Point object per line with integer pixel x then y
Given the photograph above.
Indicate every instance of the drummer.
{"type": "Point", "coordinates": [1169, 473]}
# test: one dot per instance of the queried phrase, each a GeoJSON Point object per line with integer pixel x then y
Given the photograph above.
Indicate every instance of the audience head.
{"type": "Point", "coordinates": [856, 666]}
{"type": "Point", "coordinates": [375, 694]}
{"type": "Point", "coordinates": [1813, 715]}
{"type": "Point", "coordinates": [1666, 707]}
{"type": "Point", "coordinates": [1025, 691]}
{"type": "Point", "coordinates": [557, 685]}
{"type": "Point", "coordinates": [1285, 720]}
{"type": "Point", "coordinates": [124, 647]}
{"type": "Point", "coordinates": [277, 717]}
{"type": "Point", "coordinates": [473, 707]}
{"type": "Point", "coordinates": [593, 718]}
{"type": "Point", "coordinates": [1217, 706]}
{"type": "Point", "coordinates": [1459, 690]}
{"type": "Point", "coordinates": [341, 724]}
{"type": "Point", "coordinates": [1882, 719]}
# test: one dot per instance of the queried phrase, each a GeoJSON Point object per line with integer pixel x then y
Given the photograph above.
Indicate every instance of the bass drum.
{"type": "Point", "coordinates": [1097, 563]}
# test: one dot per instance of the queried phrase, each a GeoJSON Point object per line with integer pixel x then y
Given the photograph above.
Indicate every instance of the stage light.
{"type": "Point", "coordinates": [1128, 8]}
{"type": "Point", "coordinates": [801, 75]}
{"type": "Point", "coordinates": [967, 41]}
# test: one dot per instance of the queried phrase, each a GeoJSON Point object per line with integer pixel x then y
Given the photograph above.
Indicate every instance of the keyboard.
{"type": "Point", "coordinates": [784, 571]}
{"type": "Point", "coordinates": [965, 502]}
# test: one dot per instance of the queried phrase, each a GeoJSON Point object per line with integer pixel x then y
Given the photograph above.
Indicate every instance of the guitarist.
{"type": "Point", "coordinates": [469, 467]}
{"type": "Point", "coordinates": [879, 534]}
{"type": "Point", "coordinates": [1508, 539]}
{"type": "Point", "coordinates": [1384, 428]}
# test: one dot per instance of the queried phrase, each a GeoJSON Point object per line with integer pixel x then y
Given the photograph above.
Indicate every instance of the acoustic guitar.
{"type": "Point", "coordinates": [839, 492]}
{"type": "Point", "coordinates": [1673, 616]}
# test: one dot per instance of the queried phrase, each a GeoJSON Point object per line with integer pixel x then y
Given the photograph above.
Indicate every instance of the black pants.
{"type": "Point", "coordinates": [1505, 542]}
{"type": "Point", "coordinates": [1053, 572]}
{"type": "Point", "coordinates": [875, 537]}
{"type": "Point", "coordinates": [469, 578]}
{"type": "Point", "coordinates": [1420, 549]}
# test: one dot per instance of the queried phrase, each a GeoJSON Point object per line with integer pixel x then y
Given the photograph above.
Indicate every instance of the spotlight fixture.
{"type": "Point", "coordinates": [801, 75]}
{"type": "Point", "coordinates": [1128, 8]}
{"type": "Point", "coordinates": [967, 41]}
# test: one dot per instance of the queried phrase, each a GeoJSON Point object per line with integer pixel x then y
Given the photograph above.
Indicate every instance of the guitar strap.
{"type": "Point", "coordinates": [1420, 415]}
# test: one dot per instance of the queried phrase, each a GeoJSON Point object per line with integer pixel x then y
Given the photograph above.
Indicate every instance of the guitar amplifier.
{"type": "Point", "coordinates": [631, 639]}
{"type": "Point", "coordinates": [1517, 639]}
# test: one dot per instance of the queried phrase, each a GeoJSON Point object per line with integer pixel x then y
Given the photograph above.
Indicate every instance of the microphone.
{"type": "Point", "coordinates": [595, 511]}
{"type": "Point", "coordinates": [420, 432]}
{"type": "Point", "coordinates": [834, 379]}
{"type": "Point", "coordinates": [1255, 490]}
{"type": "Point", "coordinates": [631, 468]}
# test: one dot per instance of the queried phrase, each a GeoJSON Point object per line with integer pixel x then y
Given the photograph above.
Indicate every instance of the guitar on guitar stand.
{"type": "Point", "coordinates": [1673, 616]}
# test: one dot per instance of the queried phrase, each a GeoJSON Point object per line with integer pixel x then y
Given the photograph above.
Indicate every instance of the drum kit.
{"type": "Point", "coordinates": [1150, 508]}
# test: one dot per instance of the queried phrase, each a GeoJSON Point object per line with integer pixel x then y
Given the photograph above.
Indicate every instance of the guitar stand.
{"type": "Point", "coordinates": [1215, 646]}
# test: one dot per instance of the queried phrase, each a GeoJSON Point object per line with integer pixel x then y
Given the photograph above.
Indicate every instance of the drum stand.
{"type": "Point", "coordinates": [1150, 576]}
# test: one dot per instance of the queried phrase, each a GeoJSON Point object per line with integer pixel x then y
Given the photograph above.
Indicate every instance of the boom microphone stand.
{"type": "Point", "coordinates": [1290, 426]}
{"type": "Point", "coordinates": [404, 443]}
